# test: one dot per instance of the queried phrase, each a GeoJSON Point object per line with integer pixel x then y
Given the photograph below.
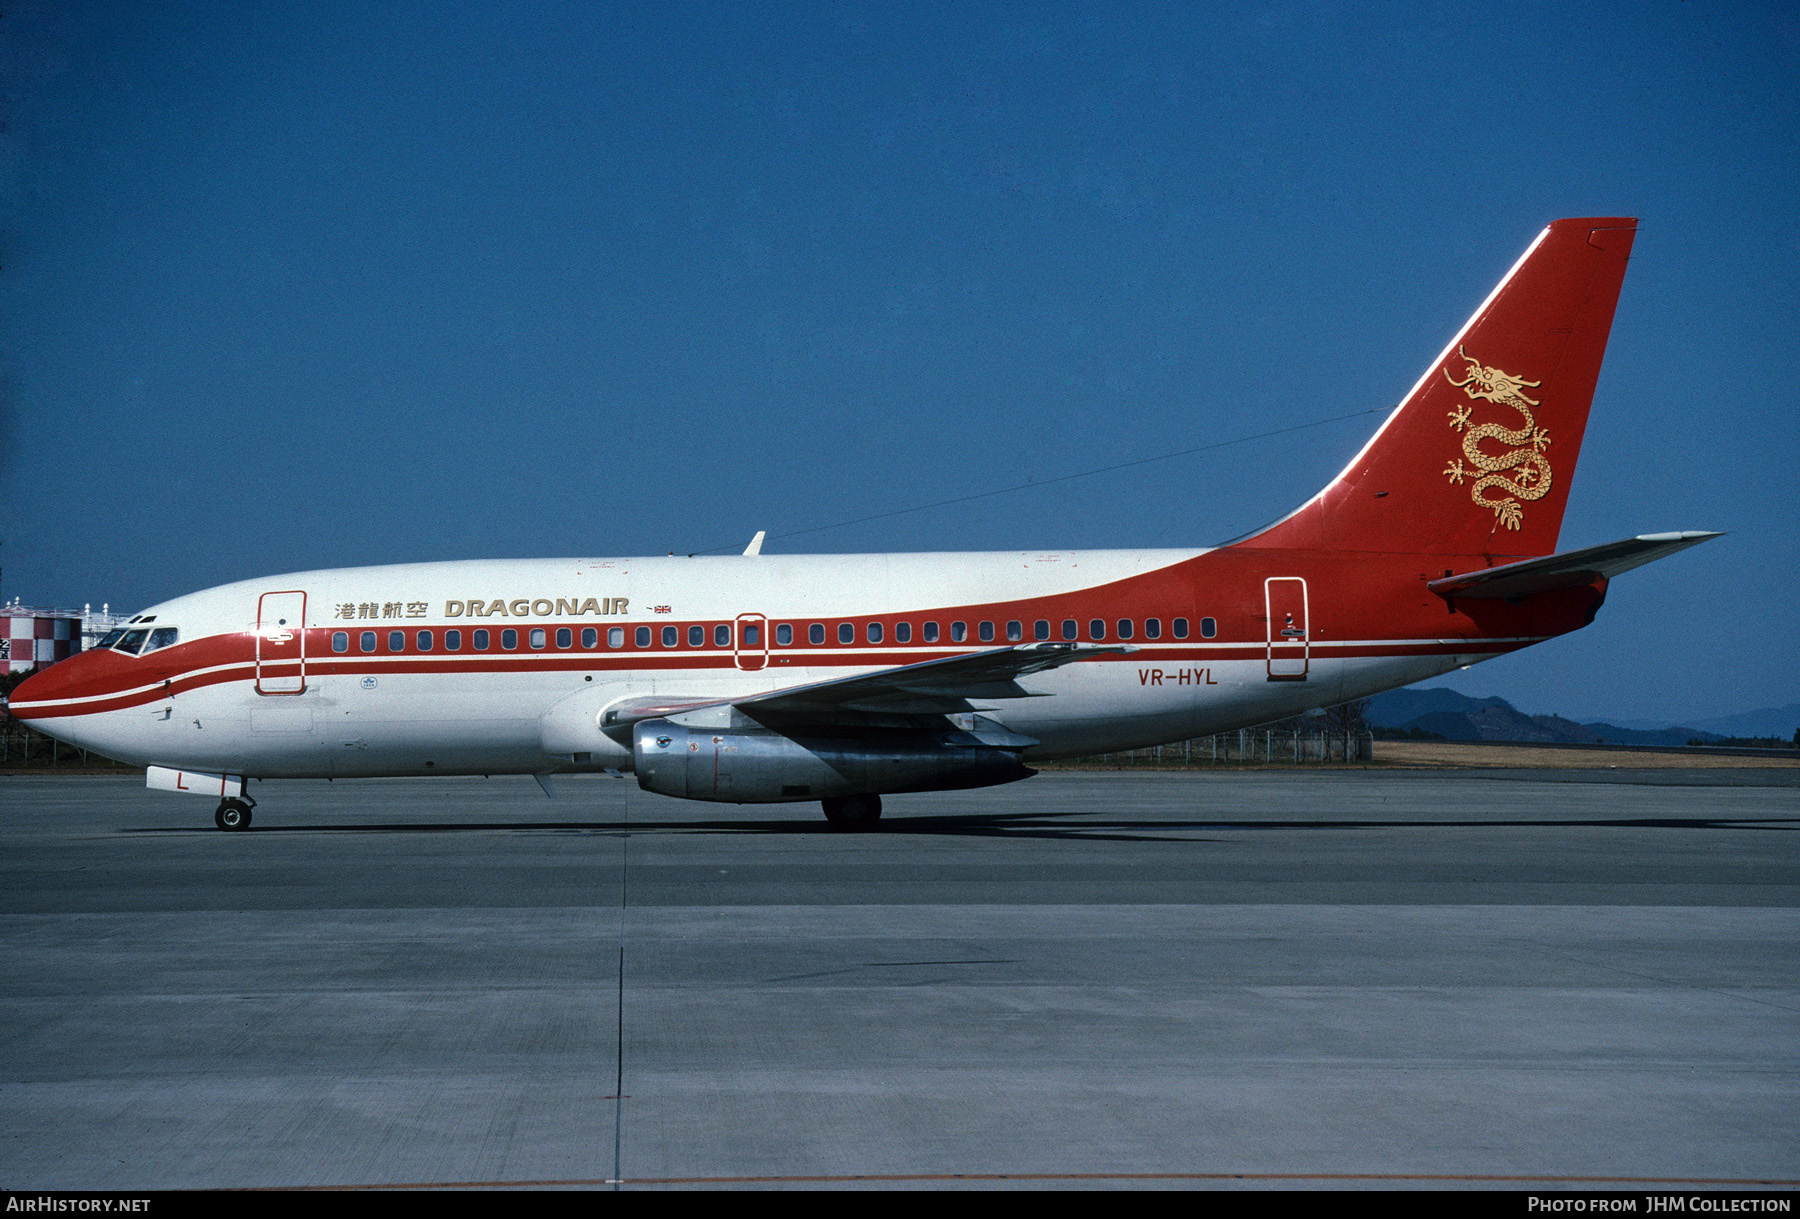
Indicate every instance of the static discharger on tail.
{"type": "Point", "coordinates": [760, 678]}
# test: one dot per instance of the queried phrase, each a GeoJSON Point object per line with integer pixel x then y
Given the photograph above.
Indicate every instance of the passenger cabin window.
{"type": "Point", "coordinates": [132, 642]}
{"type": "Point", "coordinates": [1097, 629]}
{"type": "Point", "coordinates": [1070, 628]}
{"type": "Point", "coordinates": [752, 635]}
{"type": "Point", "coordinates": [1208, 628]}
{"type": "Point", "coordinates": [784, 634]}
{"type": "Point", "coordinates": [452, 641]}
{"type": "Point", "coordinates": [340, 641]}
{"type": "Point", "coordinates": [696, 637]}
{"type": "Point", "coordinates": [367, 642]}
{"type": "Point", "coordinates": [590, 637]}
{"type": "Point", "coordinates": [615, 637]}
{"type": "Point", "coordinates": [874, 632]}
{"type": "Point", "coordinates": [161, 637]}
{"type": "Point", "coordinates": [846, 632]}
{"type": "Point", "coordinates": [538, 636]}
{"type": "Point", "coordinates": [396, 641]}
{"type": "Point", "coordinates": [815, 634]}
{"type": "Point", "coordinates": [1015, 630]}
{"type": "Point", "coordinates": [424, 641]}
{"type": "Point", "coordinates": [509, 639]}
{"type": "Point", "coordinates": [1179, 628]}
{"type": "Point", "coordinates": [479, 640]}
{"type": "Point", "coordinates": [986, 631]}
{"type": "Point", "coordinates": [931, 632]}
{"type": "Point", "coordinates": [1040, 629]}
{"type": "Point", "coordinates": [670, 637]}
{"type": "Point", "coordinates": [565, 638]}
{"type": "Point", "coordinates": [721, 636]}
{"type": "Point", "coordinates": [902, 632]}
{"type": "Point", "coordinates": [642, 635]}
{"type": "Point", "coordinates": [959, 631]}
{"type": "Point", "coordinates": [1124, 628]}
{"type": "Point", "coordinates": [1153, 628]}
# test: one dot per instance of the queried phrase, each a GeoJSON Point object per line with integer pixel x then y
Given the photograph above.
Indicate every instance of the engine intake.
{"type": "Point", "coordinates": [758, 766]}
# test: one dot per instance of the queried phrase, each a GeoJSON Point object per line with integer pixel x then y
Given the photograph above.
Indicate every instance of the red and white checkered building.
{"type": "Point", "coordinates": [33, 638]}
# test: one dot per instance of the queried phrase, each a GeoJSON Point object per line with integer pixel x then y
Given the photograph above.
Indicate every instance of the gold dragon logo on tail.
{"type": "Point", "coordinates": [1523, 471]}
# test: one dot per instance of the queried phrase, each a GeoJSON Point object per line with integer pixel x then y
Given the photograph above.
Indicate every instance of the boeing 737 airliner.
{"type": "Point", "coordinates": [759, 678]}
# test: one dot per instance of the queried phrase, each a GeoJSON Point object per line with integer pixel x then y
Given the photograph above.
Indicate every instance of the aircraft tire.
{"type": "Point", "coordinates": [232, 815]}
{"type": "Point", "coordinates": [853, 812]}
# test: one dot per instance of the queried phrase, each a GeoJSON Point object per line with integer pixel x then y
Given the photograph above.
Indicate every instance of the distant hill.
{"type": "Point", "coordinates": [1778, 722]}
{"type": "Point", "coordinates": [1398, 707]}
{"type": "Point", "coordinates": [1457, 717]}
{"type": "Point", "coordinates": [1769, 721]}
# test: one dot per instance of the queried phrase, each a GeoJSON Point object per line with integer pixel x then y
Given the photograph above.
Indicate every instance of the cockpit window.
{"type": "Point", "coordinates": [162, 637]}
{"type": "Point", "coordinates": [111, 637]}
{"type": "Point", "coordinates": [132, 642]}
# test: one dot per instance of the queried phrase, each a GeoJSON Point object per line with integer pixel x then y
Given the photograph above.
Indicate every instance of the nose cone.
{"type": "Point", "coordinates": [41, 695]}
{"type": "Point", "coordinates": [37, 687]}
{"type": "Point", "coordinates": [71, 700]}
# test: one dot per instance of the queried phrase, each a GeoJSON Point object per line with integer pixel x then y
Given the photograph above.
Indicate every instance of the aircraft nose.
{"type": "Point", "coordinates": [36, 686]}
{"type": "Point", "coordinates": [47, 684]}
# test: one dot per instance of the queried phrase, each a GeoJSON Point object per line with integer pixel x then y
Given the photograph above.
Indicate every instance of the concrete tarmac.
{"type": "Point", "coordinates": [1585, 979]}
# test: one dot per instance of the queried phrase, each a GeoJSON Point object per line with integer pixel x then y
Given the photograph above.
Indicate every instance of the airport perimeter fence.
{"type": "Point", "coordinates": [23, 749]}
{"type": "Point", "coordinates": [1247, 747]}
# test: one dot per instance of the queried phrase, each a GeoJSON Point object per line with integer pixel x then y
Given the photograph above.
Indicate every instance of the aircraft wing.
{"type": "Point", "coordinates": [932, 687]}
{"type": "Point", "coordinates": [1568, 570]}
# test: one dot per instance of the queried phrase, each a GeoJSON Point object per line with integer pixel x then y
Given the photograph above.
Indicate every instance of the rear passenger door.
{"type": "Point", "coordinates": [1289, 639]}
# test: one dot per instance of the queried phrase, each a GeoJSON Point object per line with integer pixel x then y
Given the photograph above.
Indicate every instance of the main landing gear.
{"type": "Point", "coordinates": [852, 812]}
{"type": "Point", "coordinates": [233, 814]}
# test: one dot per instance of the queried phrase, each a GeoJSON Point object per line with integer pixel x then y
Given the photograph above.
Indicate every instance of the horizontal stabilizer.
{"type": "Point", "coordinates": [1569, 570]}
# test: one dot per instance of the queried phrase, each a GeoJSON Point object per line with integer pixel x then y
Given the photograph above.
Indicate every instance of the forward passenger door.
{"type": "Point", "coordinates": [281, 643]}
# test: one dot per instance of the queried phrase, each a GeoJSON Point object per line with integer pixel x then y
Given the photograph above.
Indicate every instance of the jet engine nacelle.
{"type": "Point", "coordinates": [757, 766]}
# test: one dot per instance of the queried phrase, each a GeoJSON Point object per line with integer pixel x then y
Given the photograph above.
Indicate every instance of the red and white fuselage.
{"type": "Point", "coordinates": [1431, 551]}
{"type": "Point", "coordinates": [387, 677]}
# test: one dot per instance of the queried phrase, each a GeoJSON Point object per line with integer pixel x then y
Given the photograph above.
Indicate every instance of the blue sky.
{"type": "Point", "coordinates": [291, 286]}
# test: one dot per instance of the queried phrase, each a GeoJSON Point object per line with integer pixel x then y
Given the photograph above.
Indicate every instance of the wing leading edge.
{"type": "Point", "coordinates": [947, 686]}
{"type": "Point", "coordinates": [931, 687]}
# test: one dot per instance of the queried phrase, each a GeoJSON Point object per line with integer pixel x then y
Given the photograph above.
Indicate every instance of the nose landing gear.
{"type": "Point", "coordinates": [853, 812]}
{"type": "Point", "coordinates": [233, 814]}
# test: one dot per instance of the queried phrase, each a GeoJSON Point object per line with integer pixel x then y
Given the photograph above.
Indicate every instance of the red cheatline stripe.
{"type": "Point", "coordinates": [656, 660]}
{"type": "Point", "coordinates": [93, 704]}
{"type": "Point", "coordinates": [901, 1178]}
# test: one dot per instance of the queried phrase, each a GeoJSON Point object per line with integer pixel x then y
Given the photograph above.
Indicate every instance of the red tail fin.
{"type": "Point", "coordinates": [1478, 458]}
